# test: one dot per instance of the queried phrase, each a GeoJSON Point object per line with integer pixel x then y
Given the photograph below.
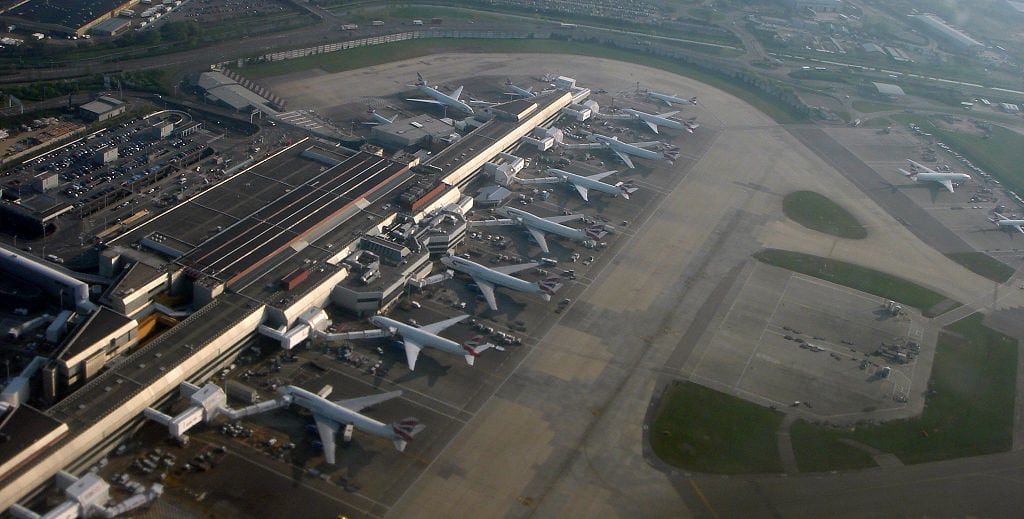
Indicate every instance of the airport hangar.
{"type": "Point", "coordinates": [261, 247]}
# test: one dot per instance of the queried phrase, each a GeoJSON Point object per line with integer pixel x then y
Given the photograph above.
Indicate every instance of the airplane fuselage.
{"type": "Point", "coordinates": [656, 119]}
{"type": "Point", "coordinates": [588, 183]}
{"type": "Point", "coordinates": [322, 407]}
{"type": "Point", "coordinates": [627, 148]}
{"type": "Point", "coordinates": [417, 335]}
{"type": "Point", "coordinates": [444, 99]}
{"type": "Point", "coordinates": [479, 271]}
{"type": "Point", "coordinates": [531, 220]}
{"type": "Point", "coordinates": [941, 177]}
{"type": "Point", "coordinates": [521, 92]}
{"type": "Point", "coordinates": [671, 99]}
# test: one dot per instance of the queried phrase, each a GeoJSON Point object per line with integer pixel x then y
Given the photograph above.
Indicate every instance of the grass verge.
{"type": "Point", "coordinates": [983, 265]}
{"type": "Point", "coordinates": [821, 449]}
{"type": "Point", "coordinates": [868, 107]}
{"type": "Point", "coordinates": [819, 213]}
{"type": "Point", "coordinates": [968, 410]}
{"type": "Point", "coordinates": [855, 276]}
{"type": "Point", "coordinates": [701, 429]}
{"type": "Point", "coordinates": [367, 56]}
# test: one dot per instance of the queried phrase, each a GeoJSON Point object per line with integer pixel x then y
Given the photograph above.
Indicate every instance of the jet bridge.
{"type": "Point", "coordinates": [208, 403]}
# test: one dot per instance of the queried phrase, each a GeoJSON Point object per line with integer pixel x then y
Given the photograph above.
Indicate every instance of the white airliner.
{"type": "Point", "coordinates": [330, 416]}
{"type": "Point", "coordinates": [924, 174]}
{"type": "Point", "coordinates": [538, 226]}
{"type": "Point", "coordinates": [584, 184]}
{"type": "Point", "coordinates": [1012, 223]}
{"type": "Point", "coordinates": [518, 91]}
{"type": "Point", "coordinates": [440, 98]}
{"type": "Point", "coordinates": [655, 120]}
{"type": "Point", "coordinates": [487, 279]}
{"type": "Point", "coordinates": [415, 338]}
{"type": "Point", "coordinates": [376, 118]}
{"type": "Point", "coordinates": [624, 149]}
{"type": "Point", "coordinates": [673, 100]}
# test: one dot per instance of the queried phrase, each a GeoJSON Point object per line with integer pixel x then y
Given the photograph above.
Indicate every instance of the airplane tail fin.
{"type": "Point", "coordinates": [404, 431]}
{"type": "Point", "coordinates": [693, 100]}
{"type": "Point", "coordinates": [549, 286]}
{"type": "Point", "coordinates": [908, 174]}
{"type": "Point", "coordinates": [474, 348]}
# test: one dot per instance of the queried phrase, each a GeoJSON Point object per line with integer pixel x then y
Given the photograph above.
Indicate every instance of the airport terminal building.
{"type": "Point", "coordinates": [304, 227]}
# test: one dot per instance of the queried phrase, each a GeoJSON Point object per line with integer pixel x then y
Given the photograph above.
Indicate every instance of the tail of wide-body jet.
{"type": "Point", "coordinates": [474, 348]}
{"type": "Point", "coordinates": [403, 432]}
{"type": "Point", "coordinates": [548, 286]}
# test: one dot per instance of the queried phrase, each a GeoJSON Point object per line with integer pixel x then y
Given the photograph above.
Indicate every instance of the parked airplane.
{"type": "Point", "coordinates": [624, 149]}
{"type": "Point", "coordinates": [1003, 221]}
{"type": "Point", "coordinates": [538, 227]}
{"type": "Point", "coordinates": [924, 174]}
{"type": "Point", "coordinates": [654, 120]}
{"type": "Point", "coordinates": [671, 99]}
{"type": "Point", "coordinates": [487, 279]}
{"type": "Point", "coordinates": [439, 98]}
{"type": "Point", "coordinates": [415, 338]}
{"type": "Point", "coordinates": [584, 184]}
{"type": "Point", "coordinates": [518, 91]}
{"type": "Point", "coordinates": [330, 416]}
{"type": "Point", "coordinates": [376, 118]}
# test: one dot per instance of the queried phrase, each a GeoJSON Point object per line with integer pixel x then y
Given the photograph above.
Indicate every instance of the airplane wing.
{"type": "Point", "coordinates": [582, 191]}
{"type": "Point", "coordinates": [666, 101]}
{"type": "Point", "coordinates": [440, 326]}
{"type": "Point", "coordinates": [539, 236]}
{"type": "Point", "coordinates": [625, 158]}
{"type": "Point", "coordinates": [1019, 228]}
{"type": "Point", "coordinates": [564, 218]}
{"type": "Point", "coordinates": [668, 114]}
{"type": "Point", "coordinates": [487, 289]}
{"type": "Point", "coordinates": [412, 352]}
{"type": "Point", "coordinates": [921, 166]}
{"type": "Point", "coordinates": [431, 101]}
{"type": "Point", "coordinates": [599, 176]}
{"type": "Point", "coordinates": [358, 404]}
{"type": "Point", "coordinates": [512, 269]}
{"type": "Point", "coordinates": [328, 430]}
{"type": "Point", "coordinates": [948, 184]}
{"type": "Point", "coordinates": [654, 127]}
{"type": "Point", "coordinates": [457, 92]}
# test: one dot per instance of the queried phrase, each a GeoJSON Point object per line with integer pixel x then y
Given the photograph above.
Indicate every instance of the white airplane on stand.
{"type": "Point", "coordinates": [330, 416]}
{"type": "Point", "coordinates": [376, 118]}
{"type": "Point", "coordinates": [655, 120]}
{"type": "Point", "coordinates": [584, 184]}
{"type": "Point", "coordinates": [623, 149]}
{"type": "Point", "coordinates": [519, 91]}
{"type": "Point", "coordinates": [487, 279]}
{"type": "Point", "coordinates": [1002, 221]}
{"type": "Point", "coordinates": [440, 98]}
{"type": "Point", "coordinates": [416, 338]}
{"type": "Point", "coordinates": [673, 100]}
{"type": "Point", "coordinates": [538, 226]}
{"type": "Point", "coordinates": [921, 173]}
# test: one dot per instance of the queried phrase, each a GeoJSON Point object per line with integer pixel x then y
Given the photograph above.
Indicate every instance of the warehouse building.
{"type": "Point", "coordinates": [102, 109]}
{"type": "Point", "coordinates": [947, 33]}
{"type": "Point", "coordinates": [68, 17]}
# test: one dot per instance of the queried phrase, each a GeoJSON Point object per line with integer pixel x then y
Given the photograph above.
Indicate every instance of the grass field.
{"type": "Point", "coordinates": [983, 265]}
{"type": "Point", "coordinates": [872, 106]}
{"type": "Point", "coordinates": [968, 410]}
{"type": "Point", "coordinates": [819, 213]}
{"type": "Point", "coordinates": [375, 55]}
{"type": "Point", "coordinates": [819, 449]}
{"type": "Point", "coordinates": [856, 277]}
{"type": "Point", "coordinates": [701, 429]}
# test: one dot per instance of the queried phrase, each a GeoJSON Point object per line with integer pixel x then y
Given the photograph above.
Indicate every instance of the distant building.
{"type": "Point", "coordinates": [1009, 108]}
{"type": "Point", "coordinates": [102, 109]}
{"type": "Point", "coordinates": [70, 17]}
{"type": "Point", "coordinates": [111, 27]}
{"type": "Point", "coordinates": [221, 88]}
{"type": "Point", "coordinates": [421, 130]}
{"type": "Point", "coordinates": [872, 48]}
{"type": "Point", "coordinates": [888, 90]}
{"type": "Point", "coordinates": [818, 6]}
{"type": "Point", "coordinates": [938, 28]}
